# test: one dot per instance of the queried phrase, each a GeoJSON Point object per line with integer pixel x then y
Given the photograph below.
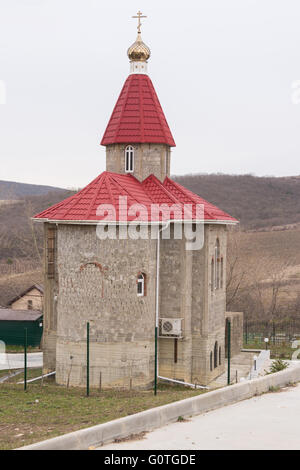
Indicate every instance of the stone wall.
{"type": "Point", "coordinates": [185, 292]}
{"type": "Point", "coordinates": [175, 302]}
{"type": "Point", "coordinates": [98, 284]}
{"type": "Point", "coordinates": [148, 159]}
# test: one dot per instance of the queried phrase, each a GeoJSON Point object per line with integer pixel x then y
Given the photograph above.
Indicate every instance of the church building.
{"type": "Point", "coordinates": [113, 261]}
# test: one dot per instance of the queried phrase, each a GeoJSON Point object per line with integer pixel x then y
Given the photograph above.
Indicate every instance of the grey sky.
{"type": "Point", "coordinates": [222, 69]}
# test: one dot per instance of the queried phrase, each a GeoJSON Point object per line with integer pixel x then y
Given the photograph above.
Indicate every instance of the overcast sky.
{"type": "Point", "coordinates": [223, 71]}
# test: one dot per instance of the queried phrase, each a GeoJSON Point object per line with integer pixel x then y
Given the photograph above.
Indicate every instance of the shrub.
{"type": "Point", "coordinates": [277, 366]}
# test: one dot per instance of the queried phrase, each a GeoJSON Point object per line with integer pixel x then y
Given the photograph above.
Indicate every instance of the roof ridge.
{"type": "Point", "coordinates": [107, 179]}
{"type": "Point", "coordinates": [124, 188]}
{"type": "Point", "coordinates": [141, 107]}
{"type": "Point", "coordinates": [128, 81]}
{"type": "Point", "coordinates": [191, 195]}
{"type": "Point", "coordinates": [160, 115]}
{"type": "Point", "coordinates": [95, 195]}
{"type": "Point", "coordinates": [157, 181]}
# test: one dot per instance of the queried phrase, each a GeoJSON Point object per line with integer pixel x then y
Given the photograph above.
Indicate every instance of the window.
{"type": "Point", "coordinates": [129, 159]}
{"type": "Point", "coordinates": [220, 355]}
{"type": "Point", "coordinates": [216, 355]}
{"type": "Point", "coordinates": [51, 245]}
{"type": "Point", "coordinates": [141, 285]}
{"type": "Point", "coordinates": [217, 264]}
{"type": "Point", "coordinates": [217, 268]}
{"type": "Point", "coordinates": [222, 275]}
{"type": "Point", "coordinates": [211, 361]}
{"type": "Point", "coordinates": [29, 304]}
{"type": "Point", "coordinates": [167, 161]}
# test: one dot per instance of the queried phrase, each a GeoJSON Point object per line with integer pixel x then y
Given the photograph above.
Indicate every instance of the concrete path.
{"type": "Point", "coordinates": [295, 354]}
{"type": "Point", "coordinates": [16, 361]}
{"type": "Point", "coordinates": [240, 367]}
{"type": "Point", "coordinates": [269, 421]}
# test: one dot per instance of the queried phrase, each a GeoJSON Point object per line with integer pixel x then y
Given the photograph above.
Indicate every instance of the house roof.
{"type": "Point", "coordinates": [7, 314]}
{"type": "Point", "coordinates": [108, 188]}
{"type": "Point", "coordinates": [138, 116]}
{"type": "Point", "coordinates": [39, 287]}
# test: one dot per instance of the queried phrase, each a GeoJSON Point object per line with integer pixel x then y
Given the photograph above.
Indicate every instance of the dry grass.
{"type": "Point", "coordinates": [46, 411]}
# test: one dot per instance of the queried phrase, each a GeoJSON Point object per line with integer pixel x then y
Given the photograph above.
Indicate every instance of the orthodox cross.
{"type": "Point", "coordinates": [139, 16]}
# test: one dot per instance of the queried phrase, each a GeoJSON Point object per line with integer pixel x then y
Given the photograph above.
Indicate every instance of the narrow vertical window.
{"type": "Point", "coordinates": [211, 361]}
{"type": "Point", "coordinates": [220, 355]}
{"type": "Point", "coordinates": [222, 273]}
{"type": "Point", "coordinates": [51, 246]}
{"type": "Point", "coordinates": [141, 285]}
{"type": "Point", "coordinates": [212, 275]}
{"type": "Point", "coordinates": [167, 162]}
{"type": "Point", "coordinates": [129, 159]}
{"type": "Point", "coordinates": [217, 264]}
{"type": "Point", "coordinates": [216, 355]}
{"type": "Point", "coordinates": [29, 305]}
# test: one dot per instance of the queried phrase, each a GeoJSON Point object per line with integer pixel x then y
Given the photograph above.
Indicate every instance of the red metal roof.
{"type": "Point", "coordinates": [107, 189]}
{"type": "Point", "coordinates": [138, 116]}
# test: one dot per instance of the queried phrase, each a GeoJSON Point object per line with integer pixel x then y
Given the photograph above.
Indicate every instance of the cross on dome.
{"type": "Point", "coordinates": [138, 51]}
{"type": "Point", "coordinates": [139, 16]}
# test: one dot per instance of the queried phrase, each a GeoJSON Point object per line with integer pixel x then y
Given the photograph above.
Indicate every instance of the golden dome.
{"type": "Point", "coordinates": [138, 51]}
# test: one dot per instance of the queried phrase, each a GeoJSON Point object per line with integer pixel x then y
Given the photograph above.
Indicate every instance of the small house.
{"type": "Point", "coordinates": [29, 299]}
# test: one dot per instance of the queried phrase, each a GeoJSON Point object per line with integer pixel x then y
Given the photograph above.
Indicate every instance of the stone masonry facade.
{"type": "Point", "coordinates": [96, 282]}
{"type": "Point", "coordinates": [148, 159]}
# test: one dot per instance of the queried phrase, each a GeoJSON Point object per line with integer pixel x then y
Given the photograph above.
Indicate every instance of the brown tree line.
{"type": "Point", "coordinates": [260, 286]}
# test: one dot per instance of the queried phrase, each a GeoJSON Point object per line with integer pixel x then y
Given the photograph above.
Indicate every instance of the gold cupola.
{"type": "Point", "coordinates": [138, 53]}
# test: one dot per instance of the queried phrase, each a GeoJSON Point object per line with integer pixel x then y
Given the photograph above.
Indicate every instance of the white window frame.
{"type": "Point", "coordinates": [141, 281]}
{"type": "Point", "coordinates": [129, 159]}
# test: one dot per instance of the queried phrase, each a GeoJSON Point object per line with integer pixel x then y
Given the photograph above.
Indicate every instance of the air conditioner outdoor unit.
{"type": "Point", "coordinates": [170, 327]}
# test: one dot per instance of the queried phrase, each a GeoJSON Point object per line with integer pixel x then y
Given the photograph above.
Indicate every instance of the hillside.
{"type": "Point", "coordinates": [255, 201]}
{"type": "Point", "coordinates": [258, 202]}
{"type": "Point", "coordinates": [19, 236]}
{"type": "Point", "coordinates": [10, 190]}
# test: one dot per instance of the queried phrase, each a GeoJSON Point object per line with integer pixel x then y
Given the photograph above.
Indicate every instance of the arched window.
{"type": "Point", "coordinates": [212, 275]}
{"type": "Point", "coordinates": [129, 159]}
{"type": "Point", "coordinates": [220, 355]}
{"type": "Point", "coordinates": [217, 264]}
{"type": "Point", "coordinates": [222, 273]}
{"type": "Point", "coordinates": [216, 355]}
{"type": "Point", "coordinates": [211, 361]}
{"type": "Point", "coordinates": [141, 285]}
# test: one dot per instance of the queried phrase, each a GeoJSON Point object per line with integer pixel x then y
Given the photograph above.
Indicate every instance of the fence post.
{"type": "Point", "coordinates": [155, 364]}
{"type": "Point", "coordinates": [87, 359]}
{"type": "Point", "coordinates": [25, 358]}
{"type": "Point", "coordinates": [228, 351]}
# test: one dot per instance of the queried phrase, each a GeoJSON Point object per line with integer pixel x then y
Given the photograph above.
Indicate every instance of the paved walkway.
{"type": "Point", "coordinates": [270, 421]}
{"type": "Point", "coordinates": [16, 361]}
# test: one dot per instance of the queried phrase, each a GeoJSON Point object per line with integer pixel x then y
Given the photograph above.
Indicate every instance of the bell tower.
{"type": "Point", "coordinates": [138, 139]}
